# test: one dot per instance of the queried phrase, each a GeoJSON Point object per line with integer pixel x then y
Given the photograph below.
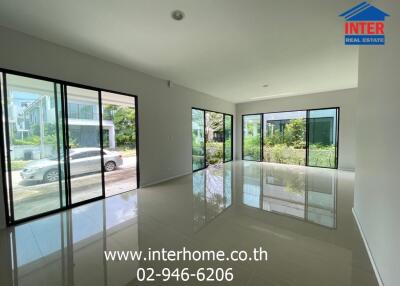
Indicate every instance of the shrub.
{"type": "Point", "coordinates": [281, 153]}
{"type": "Point", "coordinates": [251, 148]}
{"type": "Point", "coordinates": [214, 152]}
{"type": "Point", "coordinates": [322, 156]}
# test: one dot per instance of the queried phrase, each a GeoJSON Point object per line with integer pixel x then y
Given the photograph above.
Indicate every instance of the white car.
{"type": "Point", "coordinates": [82, 161]}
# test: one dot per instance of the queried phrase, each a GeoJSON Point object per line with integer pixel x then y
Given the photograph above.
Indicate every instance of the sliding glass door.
{"type": "Point", "coordinates": [322, 138]}
{"type": "Point", "coordinates": [33, 149]}
{"type": "Point", "coordinates": [198, 139]}
{"type": "Point", "coordinates": [285, 137]}
{"type": "Point", "coordinates": [305, 137]}
{"type": "Point", "coordinates": [119, 142]}
{"type": "Point", "coordinates": [85, 154]}
{"type": "Point", "coordinates": [212, 136]}
{"type": "Point", "coordinates": [228, 146]}
{"type": "Point", "coordinates": [57, 150]}
{"type": "Point", "coordinates": [251, 125]}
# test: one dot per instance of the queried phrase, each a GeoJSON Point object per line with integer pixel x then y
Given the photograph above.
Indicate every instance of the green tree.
{"type": "Point", "coordinates": [123, 118]}
{"type": "Point", "coordinates": [295, 132]}
{"type": "Point", "coordinates": [214, 121]}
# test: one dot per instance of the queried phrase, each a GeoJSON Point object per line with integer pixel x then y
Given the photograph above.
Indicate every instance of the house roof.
{"type": "Point", "coordinates": [364, 12]}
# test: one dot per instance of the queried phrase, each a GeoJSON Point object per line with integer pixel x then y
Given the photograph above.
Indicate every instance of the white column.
{"type": "Point", "coordinates": [111, 137]}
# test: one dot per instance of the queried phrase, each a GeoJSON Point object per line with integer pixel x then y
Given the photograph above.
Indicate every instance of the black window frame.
{"type": "Point", "coordinates": [261, 114]}
{"type": "Point", "coordinates": [261, 136]}
{"type": "Point", "coordinates": [205, 139]}
{"type": "Point", "coordinates": [224, 131]}
{"type": "Point", "coordinates": [5, 152]}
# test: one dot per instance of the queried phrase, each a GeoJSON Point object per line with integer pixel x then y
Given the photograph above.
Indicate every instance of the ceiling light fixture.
{"type": "Point", "coordinates": [177, 15]}
{"type": "Point", "coordinates": [265, 85]}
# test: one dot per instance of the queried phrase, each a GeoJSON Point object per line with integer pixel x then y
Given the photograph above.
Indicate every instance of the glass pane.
{"type": "Point", "coordinates": [84, 146]}
{"type": "Point", "coordinates": [322, 138]}
{"type": "Point", "coordinates": [119, 144]}
{"type": "Point", "coordinates": [285, 137]}
{"type": "Point", "coordinates": [252, 137]}
{"type": "Point", "coordinates": [228, 138]}
{"type": "Point", "coordinates": [214, 137]}
{"type": "Point", "coordinates": [4, 132]}
{"type": "Point", "coordinates": [34, 136]}
{"type": "Point", "coordinates": [198, 160]}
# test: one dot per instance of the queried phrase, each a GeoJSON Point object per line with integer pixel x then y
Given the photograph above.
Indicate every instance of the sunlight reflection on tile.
{"type": "Point", "coordinates": [290, 211]}
{"type": "Point", "coordinates": [305, 193]}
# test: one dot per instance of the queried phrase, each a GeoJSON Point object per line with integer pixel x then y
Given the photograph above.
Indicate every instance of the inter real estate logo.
{"type": "Point", "coordinates": [365, 25]}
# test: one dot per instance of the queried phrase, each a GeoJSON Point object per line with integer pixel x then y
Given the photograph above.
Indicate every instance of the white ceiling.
{"type": "Point", "coordinates": [226, 48]}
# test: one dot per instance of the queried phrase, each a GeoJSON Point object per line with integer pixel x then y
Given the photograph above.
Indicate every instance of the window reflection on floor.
{"type": "Point", "coordinates": [60, 244]}
{"type": "Point", "coordinates": [212, 193]}
{"type": "Point", "coordinates": [305, 193]}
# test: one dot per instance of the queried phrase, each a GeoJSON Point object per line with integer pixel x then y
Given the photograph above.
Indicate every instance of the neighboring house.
{"type": "Point", "coordinates": [29, 111]}
{"type": "Point", "coordinates": [321, 129]}
{"type": "Point", "coordinates": [83, 121]}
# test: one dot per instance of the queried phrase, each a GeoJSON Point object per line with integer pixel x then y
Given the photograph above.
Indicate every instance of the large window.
{"type": "Point", "coordinates": [198, 139]}
{"type": "Point", "coordinates": [322, 138]}
{"type": "Point", "coordinates": [33, 149]}
{"type": "Point", "coordinates": [251, 137]}
{"type": "Point", "coordinates": [120, 159]}
{"type": "Point", "coordinates": [214, 138]}
{"type": "Point", "coordinates": [285, 137]}
{"type": "Point", "coordinates": [212, 135]}
{"type": "Point", "coordinates": [228, 148]}
{"type": "Point", "coordinates": [58, 150]}
{"type": "Point", "coordinates": [84, 149]}
{"type": "Point", "coordinates": [307, 137]}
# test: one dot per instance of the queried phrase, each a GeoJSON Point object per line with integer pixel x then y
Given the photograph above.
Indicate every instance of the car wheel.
{"type": "Point", "coordinates": [51, 176]}
{"type": "Point", "coordinates": [110, 166]}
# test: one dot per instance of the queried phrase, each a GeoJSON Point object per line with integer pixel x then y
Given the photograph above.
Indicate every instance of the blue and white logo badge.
{"type": "Point", "coordinates": [365, 25]}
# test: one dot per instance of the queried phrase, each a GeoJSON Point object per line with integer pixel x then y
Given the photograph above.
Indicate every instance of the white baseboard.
{"type": "Point", "coordinates": [378, 277]}
{"type": "Point", "coordinates": [164, 180]}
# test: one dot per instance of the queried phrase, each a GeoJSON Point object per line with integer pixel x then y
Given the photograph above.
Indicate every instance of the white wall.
{"type": "Point", "coordinates": [377, 191]}
{"type": "Point", "coordinates": [164, 113]}
{"type": "Point", "coordinates": [345, 99]}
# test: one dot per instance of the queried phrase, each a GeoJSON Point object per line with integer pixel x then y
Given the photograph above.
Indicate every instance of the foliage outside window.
{"type": "Point", "coordinates": [288, 140]}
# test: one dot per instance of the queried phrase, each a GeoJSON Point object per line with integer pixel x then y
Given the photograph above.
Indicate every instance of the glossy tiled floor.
{"type": "Point", "coordinates": [301, 216]}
